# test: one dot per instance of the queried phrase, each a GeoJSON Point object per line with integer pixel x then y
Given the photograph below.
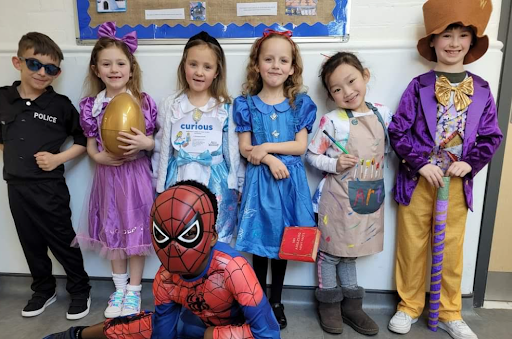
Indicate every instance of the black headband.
{"type": "Point", "coordinates": [205, 37]}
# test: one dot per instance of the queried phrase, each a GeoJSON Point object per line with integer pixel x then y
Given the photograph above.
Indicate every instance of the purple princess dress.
{"type": "Point", "coordinates": [121, 197]}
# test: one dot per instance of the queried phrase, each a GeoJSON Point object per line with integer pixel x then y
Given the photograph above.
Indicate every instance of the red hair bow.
{"type": "Point", "coordinates": [269, 31]}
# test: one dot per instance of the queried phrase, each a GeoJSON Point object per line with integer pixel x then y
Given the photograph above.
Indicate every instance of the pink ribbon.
{"type": "Point", "coordinates": [108, 30]}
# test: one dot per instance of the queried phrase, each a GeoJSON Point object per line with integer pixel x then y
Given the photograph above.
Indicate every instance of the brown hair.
{"type": "Point", "coordinates": [451, 27]}
{"type": "Point", "coordinates": [218, 88]}
{"type": "Point", "coordinates": [336, 60]}
{"type": "Point", "coordinates": [94, 84]}
{"type": "Point", "coordinates": [42, 44]}
{"type": "Point", "coordinates": [291, 87]}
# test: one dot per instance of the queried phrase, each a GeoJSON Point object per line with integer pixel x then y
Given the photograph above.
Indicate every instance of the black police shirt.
{"type": "Point", "coordinates": [31, 126]}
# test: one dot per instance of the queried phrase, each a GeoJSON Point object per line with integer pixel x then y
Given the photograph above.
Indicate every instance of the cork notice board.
{"type": "Point", "coordinates": [220, 18]}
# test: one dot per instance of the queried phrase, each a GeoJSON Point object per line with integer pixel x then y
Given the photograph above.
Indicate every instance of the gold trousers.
{"type": "Point", "coordinates": [413, 241]}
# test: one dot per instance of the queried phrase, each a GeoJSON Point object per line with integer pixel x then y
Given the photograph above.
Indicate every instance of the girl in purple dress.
{"type": "Point", "coordinates": [121, 194]}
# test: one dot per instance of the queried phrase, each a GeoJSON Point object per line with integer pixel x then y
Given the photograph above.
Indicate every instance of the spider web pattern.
{"type": "Point", "coordinates": [130, 327]}
{"type": "Point", "coordinates": [243, 283]}
{"type": "Point", "coordinates": [228, 296]}
{"type": "Point", "coordinates": [172, 210]}
{"type": "Point", "coordinates": [216, 297]}
{"type": "Point", "coordinates": [233, 332]}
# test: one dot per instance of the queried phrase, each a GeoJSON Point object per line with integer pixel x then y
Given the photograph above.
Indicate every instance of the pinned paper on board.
{"type": "Point", "coordinates": [165, 14]}
{"type": "Point", "coordinates": [177, 19]}
{"type": "Point", "coordinates": [256, 9]}
{"type": "Point", "coordinates": [197, 10]}
{"type": "Point", "coordinates": [109, 6]}
{"type": "Point", "coordinates": [301, 7]}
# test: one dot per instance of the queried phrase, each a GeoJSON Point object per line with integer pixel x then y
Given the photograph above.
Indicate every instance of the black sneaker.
{"type": "Point", "coordinates": [79, 307]}
{"type": "Point", "coordinates": [278, 309]}
{"type": "Point", "coordinates": [38, 304]}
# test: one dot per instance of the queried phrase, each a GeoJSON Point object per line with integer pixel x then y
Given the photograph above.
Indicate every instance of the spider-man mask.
{"type": "Point", "coordinates": [183, 219]}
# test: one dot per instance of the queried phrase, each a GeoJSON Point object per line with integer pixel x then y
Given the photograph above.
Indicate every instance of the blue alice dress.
{"type": "Point", "coordinates": [217, 167]}
{"type": "Point", "coordinates": [269, 205]}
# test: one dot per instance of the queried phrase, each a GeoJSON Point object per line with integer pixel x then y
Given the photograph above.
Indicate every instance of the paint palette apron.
{"type": "Point", "coordinates": [351, 212]}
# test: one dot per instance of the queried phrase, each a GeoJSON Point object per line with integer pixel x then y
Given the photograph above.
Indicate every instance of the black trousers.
{"type": "Point", "coordinates": [42, 217]}
{"type": "Point", "coordinates": [278, 268]}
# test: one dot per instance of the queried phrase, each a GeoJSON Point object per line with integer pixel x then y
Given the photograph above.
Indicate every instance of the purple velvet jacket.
{"type": "Point", "coordinates": [413, 128]}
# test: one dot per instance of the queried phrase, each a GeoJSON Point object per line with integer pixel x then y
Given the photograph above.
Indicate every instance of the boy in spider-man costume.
{"type": "Point", "coordinates": [203, 289]}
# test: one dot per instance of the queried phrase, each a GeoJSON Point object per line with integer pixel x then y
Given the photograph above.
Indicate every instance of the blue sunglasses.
{"type": "Point", "coordinates": [35, 65]}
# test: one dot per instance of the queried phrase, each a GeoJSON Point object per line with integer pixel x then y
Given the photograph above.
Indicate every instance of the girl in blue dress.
{"type": "Point", "coordinates": [273, 121]}
{"type": "Point", "coordinates": [196, 138]}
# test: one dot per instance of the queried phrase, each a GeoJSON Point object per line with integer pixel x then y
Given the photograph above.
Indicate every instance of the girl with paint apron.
{"type": "Point", "coordinates": [349, 146]}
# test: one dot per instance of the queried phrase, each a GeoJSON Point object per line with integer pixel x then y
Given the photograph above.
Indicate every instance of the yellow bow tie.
{"type": "Point", "coordinates": [444, 89]}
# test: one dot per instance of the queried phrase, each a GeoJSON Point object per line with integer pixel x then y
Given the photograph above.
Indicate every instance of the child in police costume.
{"type": "Point", "coordinates": [35, 122]}
{"type": "Point", "coordinates": [446, 125]}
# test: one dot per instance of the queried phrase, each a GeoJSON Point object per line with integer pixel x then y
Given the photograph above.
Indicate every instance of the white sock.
{"type": "Point", "coordinates": [134, 288]}
{"type": "Point", "coordinates": [120, 280]}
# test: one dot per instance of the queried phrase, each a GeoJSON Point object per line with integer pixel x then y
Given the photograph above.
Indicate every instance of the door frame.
{"type": "Point", "coordinates": [495, 167]}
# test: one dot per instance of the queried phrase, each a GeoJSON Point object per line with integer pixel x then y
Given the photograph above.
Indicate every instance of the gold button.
{"type": "Point", "coordinates": [414, 178]}
{"type": "Point", "coordinates": [403, 161]}
{"type": "Point", "coordinates": [467, 182]}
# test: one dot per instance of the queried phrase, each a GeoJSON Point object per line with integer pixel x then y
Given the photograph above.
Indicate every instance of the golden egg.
{"type": "Point", "coordinates": [121, 114]}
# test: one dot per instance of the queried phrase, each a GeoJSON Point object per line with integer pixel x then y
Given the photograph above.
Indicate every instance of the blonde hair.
{"type": "Point", "coordinates": [254, 84]}
{"type": "Point", "coordinates": [94, 84]}
{"type": "Point", "coordinates": [218, 89]}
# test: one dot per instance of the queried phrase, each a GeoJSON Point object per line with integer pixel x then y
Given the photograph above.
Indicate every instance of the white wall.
{"type": "Point", "coordinates": [383, 33]}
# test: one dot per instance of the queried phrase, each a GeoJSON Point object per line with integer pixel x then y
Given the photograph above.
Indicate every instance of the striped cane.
{"type": "Point", "coordinates": [438, 230]}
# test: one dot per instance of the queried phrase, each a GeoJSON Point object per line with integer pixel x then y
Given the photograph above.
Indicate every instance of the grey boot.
{"type": "Point", "coordinates": [353, 314]}
{"type": "Point", "coordinates": [329, 309]}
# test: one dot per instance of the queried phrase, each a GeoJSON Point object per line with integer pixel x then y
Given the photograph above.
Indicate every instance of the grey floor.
{"type": "Point", "coordinates": [302, 318]}
{"type": "Point", "coordinates": [499, 286]}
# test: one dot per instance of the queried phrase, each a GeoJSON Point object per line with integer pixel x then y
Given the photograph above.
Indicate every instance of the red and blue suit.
{"type": "Point", "coordinates": [225, 295]}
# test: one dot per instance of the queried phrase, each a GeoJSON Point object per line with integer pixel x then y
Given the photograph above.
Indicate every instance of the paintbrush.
{"type": "Point", "coordinates": [336, 143]}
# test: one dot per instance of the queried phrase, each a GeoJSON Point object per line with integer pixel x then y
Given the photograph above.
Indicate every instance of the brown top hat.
{"type": "Point", "coordinates": [439, 14]}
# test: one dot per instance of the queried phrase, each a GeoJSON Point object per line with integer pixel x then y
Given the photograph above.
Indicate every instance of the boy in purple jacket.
{"type": "Point", "coordinates": [446, 125]}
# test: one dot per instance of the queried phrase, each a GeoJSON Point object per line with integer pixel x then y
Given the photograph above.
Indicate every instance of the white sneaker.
{"type": "Point", "coordinates": [457, 329]}
{"type": "Point", "coordinates": [131, 304]}
{"type": "Point", "coordinates": [115, 304]}
{"type": "Point", "coordinates": [401, 322]}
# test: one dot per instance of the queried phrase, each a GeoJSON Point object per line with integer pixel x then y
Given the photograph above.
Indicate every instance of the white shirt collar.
{"type": "Point", "coordinates": [187, 107]}
{"type": "Point", "coordinates": [99, 100]}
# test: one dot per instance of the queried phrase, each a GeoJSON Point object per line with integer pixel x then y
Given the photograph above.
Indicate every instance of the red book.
{"type": "Point", "coordinates": [300, 243]}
